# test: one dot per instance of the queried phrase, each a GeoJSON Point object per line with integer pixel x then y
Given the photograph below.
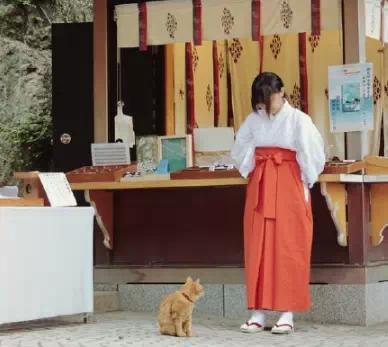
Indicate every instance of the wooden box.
{"type": "Point", "coordinates": [376, 165]}
{"type": "Point", "coordinates": [340, 167]}
{"type": "Point", "coordinates": [99, 173]}
{"type": "Point", "coordinates": [31, 186]}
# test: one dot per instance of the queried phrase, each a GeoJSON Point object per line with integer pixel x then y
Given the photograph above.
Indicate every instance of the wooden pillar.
{"type": "Point", "coordinates": [354, 52]}
{"type": "Point", "coordinates": [358, 223]}
{"type": "Point", "coordinates": [100, 34]}
{"type": "Point", "coordinates": [169, 90]}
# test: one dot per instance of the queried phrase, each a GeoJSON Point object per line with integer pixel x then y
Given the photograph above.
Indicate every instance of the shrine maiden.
{"type": "Point", "coordinates": [282, 153]}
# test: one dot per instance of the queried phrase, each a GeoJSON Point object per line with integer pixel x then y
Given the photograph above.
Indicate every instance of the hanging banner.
{"type": "Point", "coordinates": [373, 18]}
{"type": "Point", "coordinates": [226, 19]}
{"type": "Point", "coordinates": [351, 97]}
{"type": "Point", "coordinates": [169, 21]}
{"type": "Point", "coordinates": [127, 17]}
{"type": "Point", "coordinates": [173, 21]}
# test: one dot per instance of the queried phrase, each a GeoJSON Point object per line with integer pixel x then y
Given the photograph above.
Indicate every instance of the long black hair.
{"type": "Point", "coordinates": [263, 86]}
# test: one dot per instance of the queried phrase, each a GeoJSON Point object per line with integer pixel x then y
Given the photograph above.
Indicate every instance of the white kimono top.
{"type": "Point", "coordinates": [291, 129]}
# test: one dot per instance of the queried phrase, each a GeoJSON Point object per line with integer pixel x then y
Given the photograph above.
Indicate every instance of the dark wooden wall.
{"type": "Point", "coordinates": [72, 94]}
{"type": "Point", "coordinates": [142, 76]}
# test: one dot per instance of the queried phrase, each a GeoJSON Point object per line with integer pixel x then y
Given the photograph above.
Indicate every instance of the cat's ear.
{"type": "Point", "coordinates": [197, 281]}
{"type": "Point", "coordinates": [189, 279]}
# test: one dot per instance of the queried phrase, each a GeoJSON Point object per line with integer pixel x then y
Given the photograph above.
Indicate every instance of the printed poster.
{"type": "Point", "coordinates": [351, 97]}
{"type": "Point", "coordinates": [373, 18]}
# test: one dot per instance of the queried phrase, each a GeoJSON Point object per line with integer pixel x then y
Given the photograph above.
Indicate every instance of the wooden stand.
{"type": "Point", "coordinates": [22, 202]}
{"type": "Point", "coordinates": [31, 185]}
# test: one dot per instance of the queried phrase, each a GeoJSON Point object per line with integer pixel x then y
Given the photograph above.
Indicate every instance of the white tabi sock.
{"type": "Point", "coordinates": [286, 318]}
{"type": "Point", "coordinates": [258, 316]}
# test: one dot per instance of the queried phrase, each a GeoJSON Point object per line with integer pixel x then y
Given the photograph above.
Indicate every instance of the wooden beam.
{"type": "Point", "coordinates": [320, 274]}
{"type": "Point", "coordinates": [100, 68]}
{"type": "Point", "coordinates": [169, 90]}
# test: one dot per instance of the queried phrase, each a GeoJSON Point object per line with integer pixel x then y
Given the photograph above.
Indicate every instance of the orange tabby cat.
{"type": "Point", "coordinates": [175, 313]}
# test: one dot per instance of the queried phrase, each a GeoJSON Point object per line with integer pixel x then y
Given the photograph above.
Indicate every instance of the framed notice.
{"type": "Point", "coordinates": [351, 97]}
{"type": "Point", "coordinates": [373, 18]}
{"type": "Point", "coordinates": [147, 150]}
{"type": "Point", "coordinates": [177, 150]}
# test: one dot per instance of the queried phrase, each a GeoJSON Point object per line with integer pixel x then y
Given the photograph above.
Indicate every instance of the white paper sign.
{"type": "Point", "coordinates": [373, 18]}
{"type": "Point", "coordinates": [57, 189]}
{"type": "Point", "coordinates": [213, 139]}
{"type": "Point", "coordinates": [110, 154]}
{"type": "Point", "coordinates": [385, 22]}
{"type": "Point", "coordinates": [351, 97]}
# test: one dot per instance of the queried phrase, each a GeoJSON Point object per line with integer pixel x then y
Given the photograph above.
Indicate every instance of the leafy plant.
{"type": "Point", "coordinates": [26, 145]}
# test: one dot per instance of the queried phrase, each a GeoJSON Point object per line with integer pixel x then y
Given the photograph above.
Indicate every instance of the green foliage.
{"type": "Point", "coordinates": [26, 145]}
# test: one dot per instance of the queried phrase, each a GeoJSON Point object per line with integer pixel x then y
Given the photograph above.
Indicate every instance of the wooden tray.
{"type": "Point", "coordinates": [343, 167]}
{"type": "Point", "coordinates": [201, 173]}
{"type": "Point", "coordinates": [99, 173]}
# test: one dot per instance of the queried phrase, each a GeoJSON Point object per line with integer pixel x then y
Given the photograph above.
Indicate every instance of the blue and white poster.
{"type": "Point", "coordinates": [351, 97]}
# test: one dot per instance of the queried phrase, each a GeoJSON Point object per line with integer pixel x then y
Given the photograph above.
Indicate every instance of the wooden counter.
{"type": "Point", "coordinates": [158, 184]}
{"type": "Point", "coordinates": [138, 184]}
{"type": "Point", "coordinates": [152, 223]}
{"type": "Point", "coordinates": [199, 222]}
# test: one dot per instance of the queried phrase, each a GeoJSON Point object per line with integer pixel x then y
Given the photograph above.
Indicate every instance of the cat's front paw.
{"type": "Point", "coordinates": [191, 334]}
{"type": "Point", "coordinates": [181, 334]}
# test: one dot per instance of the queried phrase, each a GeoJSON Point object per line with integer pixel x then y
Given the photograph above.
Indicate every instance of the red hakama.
{"type": "Point", "coordinates": [277, 234]}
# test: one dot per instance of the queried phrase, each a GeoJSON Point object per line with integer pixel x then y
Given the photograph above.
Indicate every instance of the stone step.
{"type": "Point", "coordinates": [106, 301]}
{"type": "Point", "coordinates": [355, 304]}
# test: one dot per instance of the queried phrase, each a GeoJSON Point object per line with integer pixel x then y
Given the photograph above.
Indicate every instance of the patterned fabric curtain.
{"type": "Point", "coordinates": [243, 59]}
{"type": "Point", "coordinates": [169, 22]}
{"type": "Point", "coordinates": [226, 19]}
{"type": "Point", "coordinates": [322, 51]}
{"type": "Point", "coordinates": [222, 83]}
{"type": "Point", "coordinates": [281, 56]}
{"type": "Point", "coordinates": [203, 84]}
{"type": "Point", "coordinates": [172, 20]}
{"type": "Point", "coordinates": [244, 65]}
{"type": "Point", "coordinates": [375, 56]}
{"type": "Point", "coordinates": [180, 115]}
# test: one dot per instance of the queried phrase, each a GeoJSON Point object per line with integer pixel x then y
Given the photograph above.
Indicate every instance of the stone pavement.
{"type": "Point", "coordinates": [139, 329]}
